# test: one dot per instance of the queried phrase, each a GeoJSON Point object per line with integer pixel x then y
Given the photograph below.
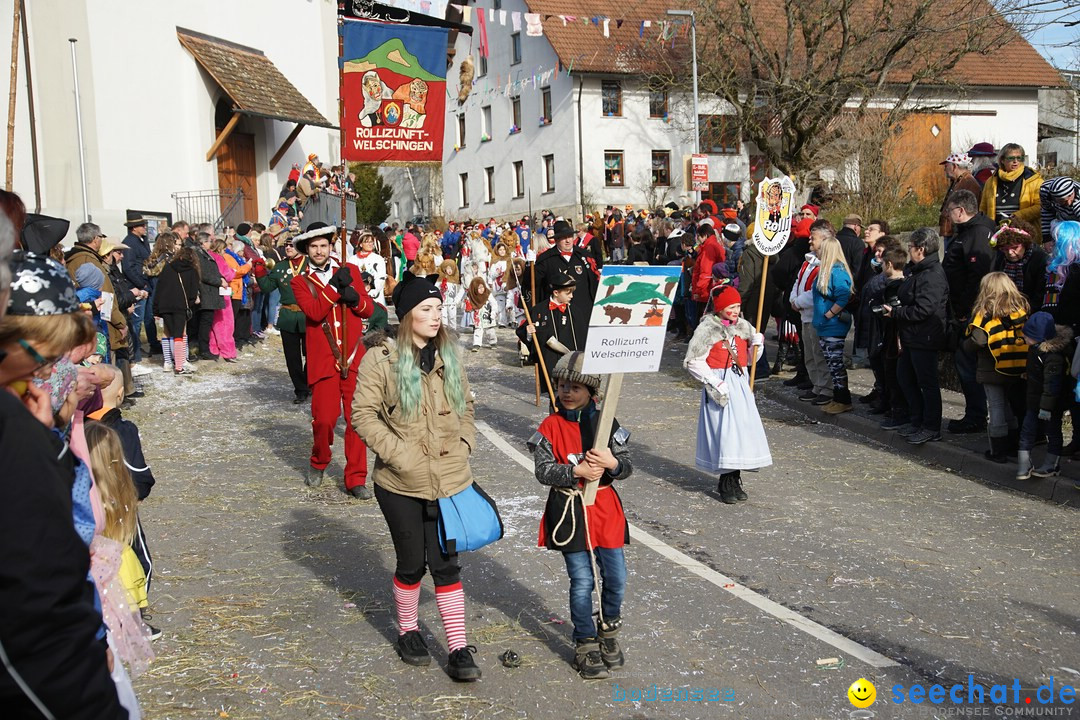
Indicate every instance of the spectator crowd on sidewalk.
{"type": "Point", "coordinates": [987, 302]}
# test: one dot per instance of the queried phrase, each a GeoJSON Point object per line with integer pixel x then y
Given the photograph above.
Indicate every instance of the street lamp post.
{"type": "Point", "coordinates": [693, 52]}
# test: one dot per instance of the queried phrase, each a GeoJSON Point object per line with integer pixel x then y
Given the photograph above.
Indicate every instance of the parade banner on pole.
{"type": "Point", "coordinates": [629, 319]}
{"type": "Point", "coordinates": [772, 222]}
{"type": "Point", "coordinates": [772, 227]}
{"type": "Point", "coordinates": [394, 93]}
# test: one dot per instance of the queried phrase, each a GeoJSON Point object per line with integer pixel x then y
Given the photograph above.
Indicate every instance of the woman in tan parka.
{"type": "Point", "coordinates": [414, 409]}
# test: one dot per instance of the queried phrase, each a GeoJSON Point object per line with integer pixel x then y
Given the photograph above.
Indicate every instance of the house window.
{"type": "Point", "coordinates": [661, 168]}
{"type": "Point", "coordinates": [463, 189]}
{"type": "Point", "coordinates": [719, 135]}
{"type": "Point", "coordinates": [721, 193]}
{"type": "Point", "coordinates": [549, 173]}
{"type": "Point", "coordinates": [519, 179]}
{"type": "Point", "coordinates": [515, 48]}
{"type": "Point", "coordinates": [461, 130]}
{"type": "Point", "coordinates": [515, 113]}
{"type": "Point", "coordinates": [545, 113]}
{"type": "Point", "coordinates": [489, 184]}
{"type": "Point", "coordinates": [613, 168]}
{"type": "Point", "coordinates": [485, 123]}
{"type": "Point", "coordinates": [658, 103]}
{"type": "Point", "coordinates": [481, 67]}
{"type": "Point", "coordinates": [611, 91]}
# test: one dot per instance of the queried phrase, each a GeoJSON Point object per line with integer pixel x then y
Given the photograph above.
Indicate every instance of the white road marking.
{"type": "Point", "coordinates": [720, 580]}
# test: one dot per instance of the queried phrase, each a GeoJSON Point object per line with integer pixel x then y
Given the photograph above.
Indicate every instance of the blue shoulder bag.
{"type": "Point", "coordinates": [468, 520]}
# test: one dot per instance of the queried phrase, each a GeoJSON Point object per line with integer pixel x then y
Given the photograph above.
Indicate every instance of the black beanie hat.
{"type": "Point", "coordinates": [243, 229]}
{"type": "Point", "coordinates": [412, 291]}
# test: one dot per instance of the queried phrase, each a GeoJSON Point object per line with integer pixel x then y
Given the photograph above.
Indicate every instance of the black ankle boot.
{"type": "Point", "coordinates": [997, 451]}
{"type": "Point", "coordinates": [737, 488]}
{"type": "Point", "coordinates": [726, 488]}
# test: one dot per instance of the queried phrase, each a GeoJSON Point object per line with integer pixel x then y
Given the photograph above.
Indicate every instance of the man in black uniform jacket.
{"type": "Point", "coordinates": [570, 260]}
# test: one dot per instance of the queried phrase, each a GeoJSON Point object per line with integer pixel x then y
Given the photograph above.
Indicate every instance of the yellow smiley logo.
{"type": "Point", "coordinates": [862, 693]}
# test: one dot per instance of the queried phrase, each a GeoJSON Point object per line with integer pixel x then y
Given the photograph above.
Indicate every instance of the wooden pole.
{"type": "Point", "coordinates": [536, 342]}
{"type": "Point", "coordinates": [30, 108]}
{"type": "Point", "coordinates": [536, 374]}
{"type": "Point", "coordinates": [345, 355]}
{"type": "Point", "coordinates": [16, 28]}
{"type": "Point", "coordinates": [612, 390]}
{"type": "Point", "coordinates": [760, 308]}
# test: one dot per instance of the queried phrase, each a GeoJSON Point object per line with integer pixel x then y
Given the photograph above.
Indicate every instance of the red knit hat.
{"type": "Point", "coordinates": [725, 297]}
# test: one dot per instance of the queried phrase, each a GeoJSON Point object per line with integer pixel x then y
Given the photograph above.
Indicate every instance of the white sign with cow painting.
{"type": "Point", "coordinates": [629, 318]}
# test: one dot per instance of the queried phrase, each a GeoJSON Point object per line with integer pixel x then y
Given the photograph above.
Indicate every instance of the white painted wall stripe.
{"type": "Point", "coordinates": [822, 633]}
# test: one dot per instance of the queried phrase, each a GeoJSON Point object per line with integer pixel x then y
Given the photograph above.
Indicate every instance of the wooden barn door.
{"type": "Point", "coordinates": [925, 140]}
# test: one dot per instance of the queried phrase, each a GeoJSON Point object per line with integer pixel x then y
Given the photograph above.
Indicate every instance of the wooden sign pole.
{"type": "Point", "coordinates": [345, 355]}
{"type": "Point", "coordinates": [612, 389]}
{"type": "Point", "coordinates": [760, 308]}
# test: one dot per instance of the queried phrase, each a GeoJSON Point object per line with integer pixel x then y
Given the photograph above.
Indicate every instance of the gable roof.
{"type": "Point", "coordinates": [1013, 63]}
{"type": "Point", "coordinates": [251, 80]}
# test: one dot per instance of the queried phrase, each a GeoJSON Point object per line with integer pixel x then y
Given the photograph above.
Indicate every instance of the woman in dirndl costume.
{"type": "Point", "coordinates": [730, 435]}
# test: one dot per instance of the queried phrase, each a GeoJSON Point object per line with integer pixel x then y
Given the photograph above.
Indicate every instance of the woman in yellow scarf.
{"type": "Point", "coordinates": [1012, 191]}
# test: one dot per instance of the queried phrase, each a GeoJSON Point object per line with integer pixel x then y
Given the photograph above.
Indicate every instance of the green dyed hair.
{"type": "Point", "coordinates": [408, 371]}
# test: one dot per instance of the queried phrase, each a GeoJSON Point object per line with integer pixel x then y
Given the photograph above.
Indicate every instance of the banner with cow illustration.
{"type": "Point", "coordinates": [629, 319]}
{"type": "Point", "coordinates": [394, 79]}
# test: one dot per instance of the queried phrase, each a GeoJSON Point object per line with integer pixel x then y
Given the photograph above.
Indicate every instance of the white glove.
{"type": "Point", "coordinates": [757, 339]}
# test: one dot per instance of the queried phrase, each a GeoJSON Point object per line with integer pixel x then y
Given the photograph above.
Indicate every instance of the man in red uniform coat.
{"type": "Point", "coordinates": [332, 298]}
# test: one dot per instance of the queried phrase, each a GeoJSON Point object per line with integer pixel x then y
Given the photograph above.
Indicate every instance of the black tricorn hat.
{"type": "Point", "coordinates": [42, 233]}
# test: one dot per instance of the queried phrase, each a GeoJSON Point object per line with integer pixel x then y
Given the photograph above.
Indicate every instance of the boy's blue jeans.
{"type": "Point", "coordinates": [612, 564]}
{"type": "Point", "coordinates": [1029, 432]}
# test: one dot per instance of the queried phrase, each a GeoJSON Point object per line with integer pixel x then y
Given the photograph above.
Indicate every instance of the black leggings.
{"type": "Point", "coordinates": [413, 527]}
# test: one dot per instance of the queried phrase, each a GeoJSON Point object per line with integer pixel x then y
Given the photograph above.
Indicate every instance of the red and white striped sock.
{"type": "Point", "coordinates": [407, 601]}
{"type": "Point", "coordinates": [179, 353]}
{"type": "Point", "coordinates": [451, 602]}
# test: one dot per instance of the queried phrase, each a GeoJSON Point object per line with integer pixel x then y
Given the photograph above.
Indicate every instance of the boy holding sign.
{"type": "Point", "coordinates": [589, 536]}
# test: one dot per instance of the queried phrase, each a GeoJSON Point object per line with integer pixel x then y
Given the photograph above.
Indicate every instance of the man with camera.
{"type": "Point", "coordinates": [335, 303]}
{"type": "Point", "coordinates": [920, 324]}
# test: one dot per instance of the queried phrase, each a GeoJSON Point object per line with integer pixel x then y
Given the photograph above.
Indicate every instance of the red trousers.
{"type": "Point", "coordinates": [328, 397]}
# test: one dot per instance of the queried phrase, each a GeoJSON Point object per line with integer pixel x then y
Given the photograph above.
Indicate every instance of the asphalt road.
{"type": "Point", "coordinates": [276, 600]}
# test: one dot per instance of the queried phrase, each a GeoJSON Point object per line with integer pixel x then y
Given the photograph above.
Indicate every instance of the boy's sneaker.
{"type": "Point", "coordinates": [461, 666]}
{"type": "Point", "coordinates": [588, 661]}
{"type": "Point", "coordinates": [894, 424]}
{"type": "Point", "coordinates": [924, 436]}
{"type": "Point", "coordinates": [184, 371]}
{"type": "Point", "coordinates": [610, 652]}
{"type": "Point", "coordinates": [908, 431]}
{"type": "Point", "coordinates": [155, 633]}
{"type": "Point", "coordinates": [139, 370]}
{"type": "Point", "coordinates": [412, 649]}
{"type": "Point", "coordinates": [167, 367]}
